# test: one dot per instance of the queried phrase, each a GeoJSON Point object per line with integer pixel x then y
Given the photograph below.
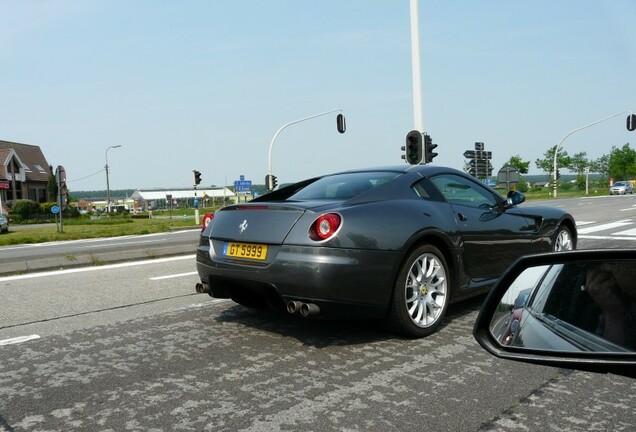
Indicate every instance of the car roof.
{"type": "Point", "coordinates": [424, 170]}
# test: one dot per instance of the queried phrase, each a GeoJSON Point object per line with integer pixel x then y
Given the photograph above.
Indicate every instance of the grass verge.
{"type": "Point", "coordinates": [85, 229]}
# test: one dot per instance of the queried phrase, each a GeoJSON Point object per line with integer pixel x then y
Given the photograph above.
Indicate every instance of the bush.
{"type": "Point", "coordinates": [522, 185]}
{"type": "Point", "coordinates": [566, 186]}
{"type": "Point", "coordinates": [25, 209]}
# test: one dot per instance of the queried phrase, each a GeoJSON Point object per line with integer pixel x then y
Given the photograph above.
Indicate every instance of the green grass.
{"type": "Point", "coordinates": [75, 229]}
{"type": "Point", "coordinates": [545, 193]}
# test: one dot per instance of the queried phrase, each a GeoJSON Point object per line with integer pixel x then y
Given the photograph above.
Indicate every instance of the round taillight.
{"type": "Point", "coordinates": [207, 218]}
{"type": "Point", "coordinates": [325, 226]}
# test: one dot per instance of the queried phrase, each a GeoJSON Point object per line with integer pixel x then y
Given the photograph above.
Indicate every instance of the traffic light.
{"type": "Point", "coordinates": [413, 148]}
{"type": "Point", "coordinates": [631, 122]}
{"type": "Point", "coordinates": [429, 154]}
{"type": "Point", "coordinates": [341, 123]}
{"type": "Point", "coordinates": [197, 177]}
{"type": "Point", "coordinates": [270, 182]}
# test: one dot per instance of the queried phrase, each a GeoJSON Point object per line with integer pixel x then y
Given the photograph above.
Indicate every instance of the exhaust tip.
{"type": "Point", "coordinates": [293, 306]}
{"type": "Point", "coordinates": [202, 288]}
{"type": "Point", "coordinates": [309, 309]}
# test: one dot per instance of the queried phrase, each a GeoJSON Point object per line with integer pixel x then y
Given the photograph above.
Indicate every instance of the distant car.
{"type": "Point", "coordinates": [621, 188]}
{"type": "Point", "coordinates": [515, 316]}
{"type": "Point", "coordinates": [4, 224]}
{"type": "Point", "coordinates": [399, 243]}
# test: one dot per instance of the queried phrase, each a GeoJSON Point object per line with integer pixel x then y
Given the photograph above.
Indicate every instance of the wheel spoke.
{"type": "Point", "coordinates": [425, 290]}
{"type": "Point", "coordinates": [421, 309]}
{"type": "Point", "coordinates": [563, 241]}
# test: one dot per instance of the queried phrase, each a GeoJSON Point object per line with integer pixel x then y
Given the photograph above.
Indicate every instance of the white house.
{"type": "Point", "coordinates": [155, 199]}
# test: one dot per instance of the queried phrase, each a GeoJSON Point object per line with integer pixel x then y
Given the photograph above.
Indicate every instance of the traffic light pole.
{"type": "Point", "coordinates": [558, 146]}
{"type": "Point", "coordinates": [271, 145]}
{"type": "Point", "coordinates": [197, 180]}
{"type": "Point", "coordinates": [196, 207]}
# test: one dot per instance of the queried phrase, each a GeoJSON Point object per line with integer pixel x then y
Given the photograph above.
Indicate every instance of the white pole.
{"type": "Point", "coordinates": [418, 122]}
{"type": "Point", "coordinates": [271, 145]}
{"type": "Point", "coordinates": [556, 149]}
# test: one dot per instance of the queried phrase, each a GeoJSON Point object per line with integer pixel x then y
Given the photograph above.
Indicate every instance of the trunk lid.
{"type": "Point", "coordinates": [259, 222]}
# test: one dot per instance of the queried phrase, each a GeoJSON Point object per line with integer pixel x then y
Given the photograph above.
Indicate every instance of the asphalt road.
{"type": "Point", "coordinates": [79, 253]}
{"type": "Point", "coordinates": [130, 346]}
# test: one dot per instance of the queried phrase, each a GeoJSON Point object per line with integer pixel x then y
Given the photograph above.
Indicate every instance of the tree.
{"type": "Point", "coordinates": [622, 162]}
{"type": "Point", "coordinates": [579, 164]}
{"type": "Point", "coordinates": [547, 163]}
{"type": "Point", "coordinates": [517, 162]}
{"type": "Point", "coordinates": [600, 165]}
{"type": "Point", "coordinates": [51, 187]}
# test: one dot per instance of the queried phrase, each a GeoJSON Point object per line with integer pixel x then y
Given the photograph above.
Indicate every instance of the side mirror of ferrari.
{"type": "Point", "coordinates": [574, 309]}
{"type": "Point", "coordinates": [514, 198]}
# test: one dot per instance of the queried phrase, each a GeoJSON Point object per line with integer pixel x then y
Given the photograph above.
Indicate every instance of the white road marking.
{"type": "Point", "coordinates": [609, 237]}
{"type": "Point", "coordinates": [172, 276]}
{"type": "Point", "coordinates": [581, 223]}
{"type": "Point", "coordinates": [17, 340]}
{"type": "Point", "coordinates": [126, 243]}
{"type": "Point", "coordinates": [96, 268]}
{"type": "Point", "coordinates": [629, 208]}
{"type": "Point", "coordinates": [604, 227]}
{"type": "Point", "coordinates": [629, 232]}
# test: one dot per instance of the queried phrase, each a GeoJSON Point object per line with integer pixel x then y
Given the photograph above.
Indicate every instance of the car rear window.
{"type": "Point", "coordinates": [342, 186]}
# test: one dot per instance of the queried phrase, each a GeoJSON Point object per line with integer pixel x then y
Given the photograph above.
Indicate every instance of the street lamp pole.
{"type": "Point", "coordinates": [107, 181]}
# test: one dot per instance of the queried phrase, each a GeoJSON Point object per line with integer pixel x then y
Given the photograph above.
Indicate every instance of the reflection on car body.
{"type": "Point", "coordinates": [516, 310]}
{"type": "Point", "coordinates": [398, 242]}
{"type": "Point", "coordinates": [4, 224]}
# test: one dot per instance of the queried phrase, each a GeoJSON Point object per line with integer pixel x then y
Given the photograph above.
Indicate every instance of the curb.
{"type": "Point", "coordinates": [21, 266]}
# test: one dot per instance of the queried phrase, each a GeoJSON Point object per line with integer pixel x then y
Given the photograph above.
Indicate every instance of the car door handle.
{"type": "Point", "coordinates": [462, 217]}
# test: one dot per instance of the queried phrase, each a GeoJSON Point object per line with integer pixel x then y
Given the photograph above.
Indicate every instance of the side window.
{"type": "Point", "coordinates": [420, 190]}
{"type": "Point", "coordinates": [458, 190]}
{"type": "Point", "coordinates": [426, 190]}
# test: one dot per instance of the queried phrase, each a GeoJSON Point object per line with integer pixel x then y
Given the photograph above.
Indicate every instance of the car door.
{"type": "Point", "coordinates": [491, 237]}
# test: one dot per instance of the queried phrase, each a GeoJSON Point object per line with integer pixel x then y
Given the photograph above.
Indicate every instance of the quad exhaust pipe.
{"type": "Point", "coordinates": [304, 309]}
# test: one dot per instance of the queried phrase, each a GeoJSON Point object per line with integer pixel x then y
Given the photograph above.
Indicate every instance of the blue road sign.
{"type": "Point", "coordinates": [242, 185]}
{"type": "Point", "coordinates": [55, 209]}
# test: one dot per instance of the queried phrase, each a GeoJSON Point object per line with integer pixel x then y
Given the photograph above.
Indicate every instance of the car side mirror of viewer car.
{"type": "Point", "coordinates": [573, 309]}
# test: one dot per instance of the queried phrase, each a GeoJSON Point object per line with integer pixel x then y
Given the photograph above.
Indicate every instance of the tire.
{"type": "Point", "coordinates": [563, 240]}
{"type": "Point", "coordinates": [421, 293]}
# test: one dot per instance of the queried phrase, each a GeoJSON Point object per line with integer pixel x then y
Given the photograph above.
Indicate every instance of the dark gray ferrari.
{"type": "Point", "coordinates": [397, 243]}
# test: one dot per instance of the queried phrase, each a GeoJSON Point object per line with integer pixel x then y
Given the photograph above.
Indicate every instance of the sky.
{"type": "Point", "coordinates": [205, 85]}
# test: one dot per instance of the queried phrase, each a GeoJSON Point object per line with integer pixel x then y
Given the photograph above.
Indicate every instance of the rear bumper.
{"type": "Point", "coordinates": [343, 282]}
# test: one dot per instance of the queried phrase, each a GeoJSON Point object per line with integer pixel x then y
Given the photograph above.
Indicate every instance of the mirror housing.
{"type": "Point", "coordinates": [562, 344]}
{"type": "Point", "coordinates": [514, 198]}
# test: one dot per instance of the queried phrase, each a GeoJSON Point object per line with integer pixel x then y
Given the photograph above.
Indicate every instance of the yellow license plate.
{"type": "Point", "coordinates": [245, 250]}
